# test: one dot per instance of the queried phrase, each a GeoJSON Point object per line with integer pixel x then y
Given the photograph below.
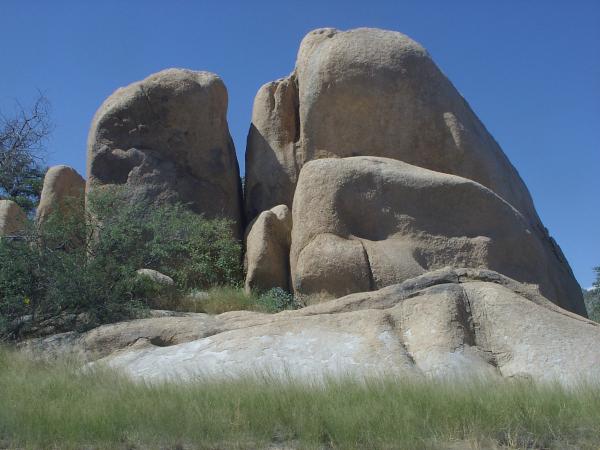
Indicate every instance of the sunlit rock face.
{"type": "Point", "coordinates": [372, 92]}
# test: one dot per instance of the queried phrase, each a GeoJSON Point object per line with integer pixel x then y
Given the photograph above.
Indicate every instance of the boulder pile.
{"type": "Point", "coordinates": [371, 189]}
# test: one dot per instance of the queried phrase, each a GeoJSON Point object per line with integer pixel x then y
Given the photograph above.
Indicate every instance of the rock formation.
{"type": "Point", "coordinates": [166, 138]}
{"type": "Point", "coordinates": [268, 250]}
{"type": "Point", "coordinates": [63, 190]}
{"type": "Point", "coordinates": [451, 322]}
{"type": "Point", "coordinates": [375, 93]}
{"type": "Point", "coordinates": [12, 218]}
{"type": "Point", "coordinates": [363, 223]}
{"type": "Point", "coordinates": [370, 92]}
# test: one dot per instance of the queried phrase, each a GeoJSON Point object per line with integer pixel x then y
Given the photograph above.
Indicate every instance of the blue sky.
{"type": "Point", "coordinates": [530, 70]}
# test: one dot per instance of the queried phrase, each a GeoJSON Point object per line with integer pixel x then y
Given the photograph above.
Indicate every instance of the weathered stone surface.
{"type": "Point", "coordinates": [166, 138]}
{"type": "Point", "coordinates": [368, 92]}
{"type": "Point", "coordinates": [450, 322]}
{"type": "Point", "coordinates": [156, 277]}
{"type": "Point", "coordinates": [267, 250]}
{"type": "Point", "coordinates": [12, 218]}
{"type": "Point", "coordinates": [63, 188]}
{"type": "Point", "coordinates": [363, 223]}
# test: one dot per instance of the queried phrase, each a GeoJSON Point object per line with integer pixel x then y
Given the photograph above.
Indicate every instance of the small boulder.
{"type": "Point", "coordinates": [12, 218]}
{"type": "Point", "coordinates": [268, 249]}
{"type": "Point", "coordinates": [156, 277]}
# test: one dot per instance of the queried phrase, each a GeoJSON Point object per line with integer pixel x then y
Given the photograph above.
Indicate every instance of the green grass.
{"type": "Point", "coordinates": [54, 405]}
{"type": "Point", "coordinates": [221, 299]}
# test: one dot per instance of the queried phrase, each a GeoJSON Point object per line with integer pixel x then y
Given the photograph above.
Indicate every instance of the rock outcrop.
{"type": "Point", "coordinates": [370, 92]}
{"type": "Point", "coordinates": [63, 190]}
{"type": "Point", "coordinates": [12, 218]}
{"type": "Point", "coordinates": [363, 223]}
{"type": "Point", "coordinates": [268, 249]}
{"type": "Point", "coordinates": [166, 138]}
{"type": "Point", "coordinates": [446, 323]}
{"type": "Point", "coordinates": [375, 93]}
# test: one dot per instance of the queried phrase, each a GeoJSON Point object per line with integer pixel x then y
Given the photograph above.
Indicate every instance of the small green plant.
{"type": "Point", "coordinates": [277, 299]}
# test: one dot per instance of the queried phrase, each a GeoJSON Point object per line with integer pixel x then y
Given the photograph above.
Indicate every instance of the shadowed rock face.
{"type": "Point", "coordinates": [364, 223]}
{"type": "Point", "coordinates": [166, 138]}
{"type": "Point", "coordinates": [62, 185]}
{"type": "Point", "coordinates": [447, 323]}
{"type": "Point", "coordinates": [268, 250]}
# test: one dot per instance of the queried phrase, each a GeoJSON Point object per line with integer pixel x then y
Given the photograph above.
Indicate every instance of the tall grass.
{"type": "Point", "coordinates": [55, 405]}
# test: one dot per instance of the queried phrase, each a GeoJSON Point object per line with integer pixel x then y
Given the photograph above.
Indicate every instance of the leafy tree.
{"type": "Point", "coordinates": [22, 138]}
{"type": "Point", "coordinates": [79, 269]}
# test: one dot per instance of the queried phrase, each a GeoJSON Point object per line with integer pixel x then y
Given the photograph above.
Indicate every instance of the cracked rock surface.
{"type": "Point", "coordinates": [445, 323]}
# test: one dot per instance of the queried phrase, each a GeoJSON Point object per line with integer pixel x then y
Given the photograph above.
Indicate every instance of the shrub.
{"type": "Point", "coordinates": [277, 299]}
{"type": "Point", "coordinates": [79, 269]}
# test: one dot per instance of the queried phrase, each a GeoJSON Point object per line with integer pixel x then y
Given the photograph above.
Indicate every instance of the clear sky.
{"type": "Point", "coordinates": [529, 69]}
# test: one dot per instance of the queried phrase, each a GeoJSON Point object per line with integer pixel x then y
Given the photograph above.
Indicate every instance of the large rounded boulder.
{"type": "Point", "coordinates": [166, 139]}
{"type": "Point", "coordinates": [363, 223]}
{"type": "Point", "coordinates": [368, 92]}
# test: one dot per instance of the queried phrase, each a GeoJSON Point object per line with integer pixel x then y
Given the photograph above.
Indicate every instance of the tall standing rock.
{"type": "Point", "coordinates": [12, 218]}
{"type": "Point", "coordinates": [268, 249]}
{"type": "Point", "coordinates": [63, 190]}
{"type": "Point", "coordinates": [166, 139]}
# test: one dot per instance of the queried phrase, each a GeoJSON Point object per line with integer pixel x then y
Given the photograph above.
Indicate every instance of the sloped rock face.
{"type": "Point", "coordinates": [268, 249]}
{"type": "Point", "coordinates": [63, 188]}
{"type": "Point", "coordinates": [12, 218]}
{"type": "Point", "coordinates": [375, 93]}
{"type": "Point", "coordinates": [446, 323]}
{"type": "Point", "coordinates": [166, 138]}
{"type": "Point", "coordinates": [363, 223]}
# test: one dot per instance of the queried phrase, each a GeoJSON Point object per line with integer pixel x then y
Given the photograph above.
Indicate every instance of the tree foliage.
{"type": "Point", "coordinates": [79, 269]}
{"type": "Point", "coordinates": [22, 139]}
{"type": "Point", "coordinates": [592, 298]}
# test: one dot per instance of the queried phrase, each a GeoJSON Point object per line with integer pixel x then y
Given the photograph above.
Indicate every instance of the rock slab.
{"type": "Point", "coordinates": [446, 323]}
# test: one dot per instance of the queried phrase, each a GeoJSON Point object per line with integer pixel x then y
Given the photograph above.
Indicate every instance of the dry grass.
{"type": "Point", "coordinates": [57, 406]}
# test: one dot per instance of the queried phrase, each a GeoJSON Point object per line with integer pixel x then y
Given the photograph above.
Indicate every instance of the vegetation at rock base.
{"type": "Point", "coordinates": [22, 138]}
{"type": "Point", "coordinates": [78, 269]}
{"type": "Point", "coordinates": [221, 299]}
{"type": "Point", "coordinates": [56, 405]}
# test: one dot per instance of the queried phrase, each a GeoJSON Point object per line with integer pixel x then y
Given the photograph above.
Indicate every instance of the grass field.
{"type": "Point", "coordinates": [55, 405]}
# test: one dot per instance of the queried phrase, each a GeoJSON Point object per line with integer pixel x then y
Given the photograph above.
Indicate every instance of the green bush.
{"type": "Point", "coordinates": [78, 269]}
{"type": "Point", "coordinates": [592, 298]}
{"type": "Point", "coordinates": [276, 299]}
